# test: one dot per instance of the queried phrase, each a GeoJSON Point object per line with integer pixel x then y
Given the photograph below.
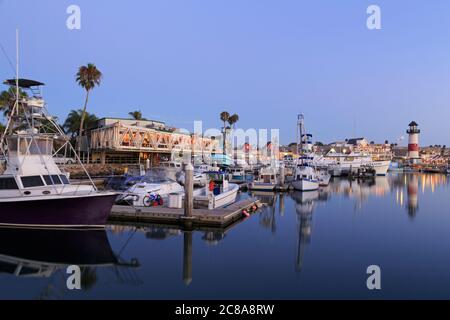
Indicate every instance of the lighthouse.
{"type": "Point", "coordinates": [413, 144]}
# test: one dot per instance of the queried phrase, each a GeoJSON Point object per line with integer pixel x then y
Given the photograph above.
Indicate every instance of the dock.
{"type": "Point", "coordinates": [222, 217]}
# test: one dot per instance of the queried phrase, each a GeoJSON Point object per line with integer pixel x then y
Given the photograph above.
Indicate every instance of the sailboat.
{"type": "Point", "coordinates": [34, 192]}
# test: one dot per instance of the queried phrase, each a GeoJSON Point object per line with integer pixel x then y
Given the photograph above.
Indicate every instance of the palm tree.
{"type": "Point", "coordinates": [88, 77]}
{"type": "Point", "coordinates": [224, 116]}
{"type": "Point", "coordinates": [73, 121]}
{"type": "Point", "coordinates": [8, 99]}
{"type": "Point", "coordinates": [233, 119]}
{"type": "Point", "coordinates": [136, 115]}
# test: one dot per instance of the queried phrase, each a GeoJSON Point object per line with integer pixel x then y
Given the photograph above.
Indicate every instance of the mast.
{"type": "Point", "coordinates": [17, 68]}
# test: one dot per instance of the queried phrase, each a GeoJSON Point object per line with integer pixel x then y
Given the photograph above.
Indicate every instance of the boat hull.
{"type": "Point", "coordinates": [217, 201]}
{"type": "Point", "coordinates": [305, 185]}
{"type": "Point", "coordinates": [381, 167]}
{"type": "Point", "coordinates": [261, 186]}
{"type": "Point", "coordinates": [62, 212]}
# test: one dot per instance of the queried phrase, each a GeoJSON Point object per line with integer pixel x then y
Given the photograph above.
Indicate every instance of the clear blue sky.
{"type": "Point", "coordinates": [186, 60]}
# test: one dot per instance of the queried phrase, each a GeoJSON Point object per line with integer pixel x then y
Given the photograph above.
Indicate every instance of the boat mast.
{"type": "Point", "coordinates": [17, 68]}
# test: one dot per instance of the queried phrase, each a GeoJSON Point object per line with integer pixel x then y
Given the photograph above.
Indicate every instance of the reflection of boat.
{"type": "Point", "coordinates": [138, 195]}
{"type": "Point", "coordinates": [304, 207]}
{"type": "Point", "coordinates": [34, 192]}
{"type": "Point", "coordinates": [39, 252]}
{"type": "Point", "coordinates": [305, 178]}
{"type": "Point", "coordinates": [218, 194]}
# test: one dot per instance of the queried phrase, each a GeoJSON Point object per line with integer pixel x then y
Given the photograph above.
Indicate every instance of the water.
{"type": "Point", "coordinates": [301, 246]}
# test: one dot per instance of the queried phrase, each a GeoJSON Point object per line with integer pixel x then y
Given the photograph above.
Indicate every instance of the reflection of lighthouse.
{"type": "Point", "coordinates": [413, 144]}
{"type": "Point", "coordinates": [413, 189]}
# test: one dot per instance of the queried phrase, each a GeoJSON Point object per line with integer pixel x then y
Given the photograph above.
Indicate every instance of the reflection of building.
{"type": "Point", "coordinates": [413, 142]}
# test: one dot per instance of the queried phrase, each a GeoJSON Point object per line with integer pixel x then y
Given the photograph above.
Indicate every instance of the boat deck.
{"type": "Point", "coordinates": [200, 217]}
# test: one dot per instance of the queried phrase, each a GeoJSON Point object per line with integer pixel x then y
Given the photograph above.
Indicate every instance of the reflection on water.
{"type": "Point", "coordinates": [261, 257]}
{"type": "Point", "coordinates": [39, 253]}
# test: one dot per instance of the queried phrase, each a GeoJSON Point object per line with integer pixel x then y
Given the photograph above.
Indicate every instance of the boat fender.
{"type": "Point", "coordinates": [245, 213]}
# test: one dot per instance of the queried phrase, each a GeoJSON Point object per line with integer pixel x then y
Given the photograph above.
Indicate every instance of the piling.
{"type": "Point", "coordinates": [187, 258]}
{"type": "Point", "coordinates": [282, 176]}
{"type": "Point", "coordinates": [188, 190]}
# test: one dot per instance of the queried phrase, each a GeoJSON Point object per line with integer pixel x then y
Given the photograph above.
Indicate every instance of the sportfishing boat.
{"type": "Point", "coordinates": [219, 193]}
{"type": "Point", "coordinates": [267, 179]}
{"type": "Point", "coordinates": [34, 192]}
{"type": "Point", "coordinates": [305, 178]}
{"type": "Point", "coordinates": [236, 174]}
{"type": "Point", "coordinates": [148, 188]}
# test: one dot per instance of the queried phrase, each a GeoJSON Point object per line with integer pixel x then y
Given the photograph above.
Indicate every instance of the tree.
{"type": "Point", "coordinates": [88, 77]}
{"type": "Point", "coordinates": [232, 120]}
{"type": "Point", "coordinates": [8, 99]}
{"type": "Point", "coordinates": [2, 128]}
{"type": "Point", "coordinates": [224, 116]}
{"type": "Point", "coordinates": [136, 115]}
{"type": "Point", "coordinates": [73, 122]}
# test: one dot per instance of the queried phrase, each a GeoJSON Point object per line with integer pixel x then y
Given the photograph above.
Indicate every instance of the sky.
{"type": "Point", "coordinates": [185, 60]}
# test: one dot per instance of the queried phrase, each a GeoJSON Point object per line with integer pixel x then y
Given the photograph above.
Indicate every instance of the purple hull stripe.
{"type": "Point", "coordinates": [82, 211]}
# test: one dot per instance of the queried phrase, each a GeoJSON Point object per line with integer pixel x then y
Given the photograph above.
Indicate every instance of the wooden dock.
{"type": "Point", "coordinates": [201, 217]}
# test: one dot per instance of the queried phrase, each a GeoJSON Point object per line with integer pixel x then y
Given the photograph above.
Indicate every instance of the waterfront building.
{"type": "Point", "coordinates": [136, 141]}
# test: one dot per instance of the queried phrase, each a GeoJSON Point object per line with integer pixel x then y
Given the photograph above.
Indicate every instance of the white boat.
{"type": "Point", "coordinates": [344, 164]}
{"type": "Point", "coordinates": [170, 169]}
{"type": "Point", "coordinates": [266, 180]}
{"type": "Point", "coordinates": [34, 192]}
{"type": "Point", "coordinates": [305, 178]}
{"type": "Point", "coordinates": [324, 178]}
{"type": "Point", "coordinates": [219, 193]}
{"type": "Point", "coordinates": [237, 175]}
{"type": "Point", "coordinates": [142, 193]}
{"type": "Point", "coordinates": [381, 167]}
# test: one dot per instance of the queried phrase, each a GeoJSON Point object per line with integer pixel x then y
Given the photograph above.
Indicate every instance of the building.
{"type": "Point", "coordinates": [136, 141]}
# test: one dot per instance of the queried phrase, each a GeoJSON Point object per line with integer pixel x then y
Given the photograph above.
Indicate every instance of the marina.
{"type": "Point", "coordinates": [219, 151]}
{"type": "Point", "coordinates": [288, 237]}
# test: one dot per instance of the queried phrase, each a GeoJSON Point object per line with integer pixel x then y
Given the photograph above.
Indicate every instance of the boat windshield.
{"type": "Point", "coordinates": [155, 179]}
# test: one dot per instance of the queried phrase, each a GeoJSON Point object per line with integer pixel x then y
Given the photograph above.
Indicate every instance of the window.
{"type": "Point", "coordinates": [51, 180]}
{"type": "Point", "coordinates": [64, 179]}
{"type": "Point", "coordinates": [8, 184]}
{"type": "Point", "coordinates": [32, 181]}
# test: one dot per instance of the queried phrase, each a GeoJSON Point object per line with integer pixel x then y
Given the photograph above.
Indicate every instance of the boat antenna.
{"type": "Point", "coordinates": [17, 67]}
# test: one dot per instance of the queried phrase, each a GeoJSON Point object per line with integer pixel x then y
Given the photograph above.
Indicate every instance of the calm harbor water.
{"type": "Point", "coordinates": [300, 246]}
